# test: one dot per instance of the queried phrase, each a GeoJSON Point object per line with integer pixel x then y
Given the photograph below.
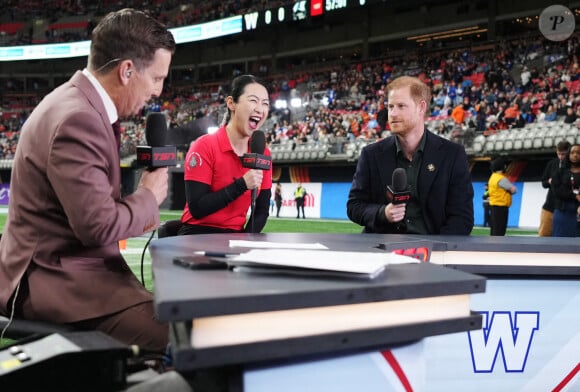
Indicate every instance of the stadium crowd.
{"type": "Point", "coordinates": [67, 21]}
{"type": "Point", "coordinates": [500, 86]}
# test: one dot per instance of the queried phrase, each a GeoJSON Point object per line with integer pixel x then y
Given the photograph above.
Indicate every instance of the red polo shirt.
{"type": "Point", "coordinates": [212, 160]}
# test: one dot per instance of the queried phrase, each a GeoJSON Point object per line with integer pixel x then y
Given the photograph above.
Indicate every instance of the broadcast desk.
{"type": "Point", "coordinates": [278, 317]}
{"type": "Point", "coordinates": [526, 291]}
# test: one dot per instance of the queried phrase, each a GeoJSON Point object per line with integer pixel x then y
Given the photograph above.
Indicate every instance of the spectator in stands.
{"type": "Point", "coordinates": [570, 117]}
{"type": "Point", "coordinates": [550, 114]}
{"type": "Point", "coordinates": [566, 186]}
{"type": "Point", "coordinates": [528, 116]}
{"type": "Point", "coordinates": [59, 255]}
{"type": "Point", "coordinates": [437, 173]}
{"type": "Point", "coordinates": [511, 114]}
{"type": "Point", "coordinates": [215, 202]}
{"type": "Point", "coordinates": [441, 129]}
{"type": "Point", "coordinates": [481, 116]}
{"type": "Point", "coordinates": [540, 116]}
{"type": "Point", "coordinates": [525, 77]}
{"type": "Point", "coordinates": [562, 106]}
{"type": "Point", "coordinates": [552, 168]}
{"type": "Point", "coordinates": [500, 196]}
{"type": "Point", "coordinates": [382, 115]}
{"type": "Point", "coordinates": [458, 114]}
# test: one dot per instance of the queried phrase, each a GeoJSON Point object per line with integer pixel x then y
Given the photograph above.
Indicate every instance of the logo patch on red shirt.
{"type": "Point", "coordinates": [195, 160]}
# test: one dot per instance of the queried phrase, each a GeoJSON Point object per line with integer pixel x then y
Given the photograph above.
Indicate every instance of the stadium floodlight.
{"type": "Point", "coordinates": [281, 104]}
{"type": "Point", "coordinates": [296, 102]}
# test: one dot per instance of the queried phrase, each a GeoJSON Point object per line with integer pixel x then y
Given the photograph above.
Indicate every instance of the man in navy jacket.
{"type": "Point", "coordinates": [436, 169]}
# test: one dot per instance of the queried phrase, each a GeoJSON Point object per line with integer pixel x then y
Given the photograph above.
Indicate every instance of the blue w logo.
{"type": "Point", "coordinates": [502, 334]}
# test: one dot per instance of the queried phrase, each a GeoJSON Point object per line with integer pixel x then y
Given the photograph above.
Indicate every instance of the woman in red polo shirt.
{"type": "Point", "coordinates": [217, 187]}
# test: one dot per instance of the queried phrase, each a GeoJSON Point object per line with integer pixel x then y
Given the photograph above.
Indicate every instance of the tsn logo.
{"type": "Point", "coordinates": [162, 156]}
{"type": "Point", "coordinates": [422, 253]}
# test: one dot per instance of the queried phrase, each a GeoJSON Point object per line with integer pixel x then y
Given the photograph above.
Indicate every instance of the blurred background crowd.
{"type": "Point", "coordinates": [486, 90]}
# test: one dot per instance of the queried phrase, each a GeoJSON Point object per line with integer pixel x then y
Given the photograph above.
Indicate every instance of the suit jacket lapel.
{"type": "Point", "coordinates": [430, 165]}
{"type": "Point", "coordinates": [83, 84]}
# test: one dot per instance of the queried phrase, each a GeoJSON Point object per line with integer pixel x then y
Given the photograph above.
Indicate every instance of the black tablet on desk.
{"type": "Point", "coordinates": [199, 262]}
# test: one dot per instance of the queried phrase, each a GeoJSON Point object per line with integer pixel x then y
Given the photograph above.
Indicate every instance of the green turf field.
{"type": "Point", "coordinates": [135, 246]}
{"type": "Point", "coordinates": [274, 225]}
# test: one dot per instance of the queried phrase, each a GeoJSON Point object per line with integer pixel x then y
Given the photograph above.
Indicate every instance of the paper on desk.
{"type": "Point", "coordinates": [274, 245]}
{"type": "Point", "coordinates": [365, 263]}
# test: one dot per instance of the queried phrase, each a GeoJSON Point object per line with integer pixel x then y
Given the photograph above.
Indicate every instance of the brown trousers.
{"type": "Point", "coordinates": [132, 326]}
{"type": "Point", "coordinates": [545, 229]}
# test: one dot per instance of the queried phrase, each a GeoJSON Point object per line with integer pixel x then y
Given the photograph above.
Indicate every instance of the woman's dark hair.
{"type": "Point", "coordinates": [127, 34]}
{"type": "Point", "coordinates": [237, 89]}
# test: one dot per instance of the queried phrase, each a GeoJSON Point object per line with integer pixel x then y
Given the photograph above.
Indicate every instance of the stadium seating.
{"type": "Point", "coordinates": [538, 138]}
{"type": "Point", "coordinates": [319, 151]}
{"type": "Point", "coordinates": [549, 138]}
{"type": "Point", "coordinates": [300, 151]}
{"type": "Point", "coordinates": [573, 135]}
{"type": "Point", "coordinates": [560, 132]}
{"type": "Point", "coordinates": [490, 143]}
{"type": "Point", "coordinates": [310, 151]}
{"type": "Point", "coordinates": [478, 144]}
{"type": "Point", "coordinates": [568, 133]}
{"type": "Point", "coordinates": [499, 144]}
{"type": "Point", "coordinates": [508, 143]}
{"type": "Point", "coordinates": [528, 139]}
{"type": "Point", "coordinates": [351, 151]}
{"type": "Point", "coordinates": [519, 137]}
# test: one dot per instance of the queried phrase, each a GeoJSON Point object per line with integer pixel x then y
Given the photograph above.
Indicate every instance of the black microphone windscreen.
{"type": "Point", "coordinates": [258, 142]}
{"type": "Point", "coordinates": [399, 180]}
{"type": "Point", "coordinates": [156, 129]}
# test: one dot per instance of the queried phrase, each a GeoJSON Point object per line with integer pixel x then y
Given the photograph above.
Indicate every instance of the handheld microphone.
{"type": "Point", "coordinates": [398, 192]}
{"type": "Point", "coordinates": [156, 153]}
{"type": "Point", "coordinates": [256, 159]}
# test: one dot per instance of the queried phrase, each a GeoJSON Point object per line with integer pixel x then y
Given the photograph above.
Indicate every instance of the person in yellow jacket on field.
{"type": "Point", "coordinates": [500, 196]}
{"type": "Point", "coordinates": [299, 195]}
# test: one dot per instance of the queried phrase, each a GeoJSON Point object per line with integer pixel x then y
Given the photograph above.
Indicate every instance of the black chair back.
{"type": "Point", "coordinates": [169, 228]}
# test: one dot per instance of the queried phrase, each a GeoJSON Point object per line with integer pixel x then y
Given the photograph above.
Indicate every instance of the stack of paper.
{"type": "Point", "coordinates": [365, 265]}
{"type": "Point", "coordinates": [275, 245]}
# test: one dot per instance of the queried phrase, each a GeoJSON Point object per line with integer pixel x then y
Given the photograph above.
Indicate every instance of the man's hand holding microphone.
{"type": "Point", "coordinates": [398, 195]}
{"type": "Point", "coordinates": [157, 182]}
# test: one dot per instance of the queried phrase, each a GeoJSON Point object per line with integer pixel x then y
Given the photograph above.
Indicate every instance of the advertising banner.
{"type": "Point", "coordinates": [4, 194]}
{"type": "Point", "coordinates": [288, 209]}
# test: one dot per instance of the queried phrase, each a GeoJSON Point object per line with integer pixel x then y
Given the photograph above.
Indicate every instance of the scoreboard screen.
{"type": "Point", "coordinates": [316, 7]}
{"type": "Point", "coordinates": [299, 10]}
{"type": "Point", "coordinates": [333, 5]}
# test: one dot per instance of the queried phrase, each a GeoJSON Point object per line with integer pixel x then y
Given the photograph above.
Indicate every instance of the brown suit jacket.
{"type": "Point", "coordinates": [66, 214]}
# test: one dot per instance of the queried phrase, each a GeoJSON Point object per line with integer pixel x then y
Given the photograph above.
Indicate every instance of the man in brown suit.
{"type": "Point", "coordinates": [59, 254]}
